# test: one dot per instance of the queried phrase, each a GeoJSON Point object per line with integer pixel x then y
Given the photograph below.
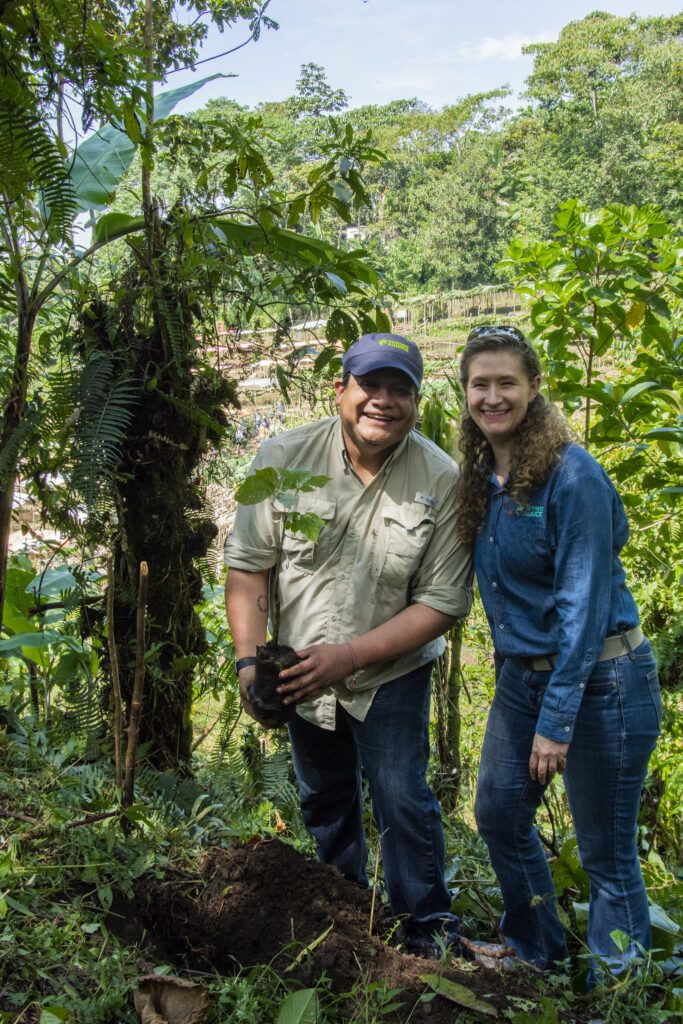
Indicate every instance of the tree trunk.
{"type": "Point", "coordinates": [13, 418]}
{"type": "Point", "coordinates": [447, 686]}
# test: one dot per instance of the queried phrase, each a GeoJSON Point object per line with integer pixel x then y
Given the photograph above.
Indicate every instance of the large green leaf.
{"type": "Point", "coordinates": [300, 1007]}
{"type": "Point", "coordinates": [300, 250]}
{"type": "Point", "coordinates": [458, 994]}
{"type": "Point", "coordinates": [113, 224]}
{"type": "Point", "coordinates": [258, 486]}
{"type": "Point", "coordinates": [100, 162]}
{"type": "Point", "coordinates": [52, 582]}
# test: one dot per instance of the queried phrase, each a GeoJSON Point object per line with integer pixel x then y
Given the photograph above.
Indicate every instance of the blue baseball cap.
{"type": "Point", "coordinates": [384, 352]}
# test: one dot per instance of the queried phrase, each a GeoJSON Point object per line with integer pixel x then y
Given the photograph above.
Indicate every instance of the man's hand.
{"type": "Point", "coordinates": [246, 678]}
{"type": "Point", "coordinates": [320, 666]}
{"type": "Point", "coordinates": [547, 757]}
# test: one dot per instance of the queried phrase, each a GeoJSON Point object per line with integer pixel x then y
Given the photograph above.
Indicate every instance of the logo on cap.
{"type": "Point", "coordinates": [394, 344]}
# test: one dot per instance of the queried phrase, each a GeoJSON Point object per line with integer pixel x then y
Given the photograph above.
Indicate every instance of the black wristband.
{"type": "Point", "coordinates": [244, 663]}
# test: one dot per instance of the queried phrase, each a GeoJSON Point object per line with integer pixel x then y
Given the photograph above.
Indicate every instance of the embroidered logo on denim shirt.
{"type": "Point", "coordinates": [530, 511]}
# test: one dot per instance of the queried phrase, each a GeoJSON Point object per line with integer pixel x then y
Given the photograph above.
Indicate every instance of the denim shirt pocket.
{"type": "Point", "coordinates": [408, 529]}
{"type": "Point", "coordinates": [525, 563]}
{"type": "Point", "coordinates": [298, 551]}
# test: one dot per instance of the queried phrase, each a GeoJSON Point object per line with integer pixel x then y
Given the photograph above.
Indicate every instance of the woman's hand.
{"type": "Point", "coordinates": [547, 757]}
{"type": "Point", "coordinates": [320, 666]}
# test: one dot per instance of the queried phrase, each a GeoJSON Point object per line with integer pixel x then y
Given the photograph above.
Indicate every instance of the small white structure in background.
{"type": "Point", "coordinates": [258, 383]}
{"type": "Point", "coordinates": [354, 231]}
{"type": "Point", "coordinates": [308, 325]}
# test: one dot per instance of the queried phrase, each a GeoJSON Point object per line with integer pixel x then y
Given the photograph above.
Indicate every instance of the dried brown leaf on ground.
{"type": "Point", "coordinates": [167, 1000]}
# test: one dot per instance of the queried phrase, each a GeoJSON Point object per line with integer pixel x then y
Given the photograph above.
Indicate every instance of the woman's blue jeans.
{"type": "Point", "coordinates": [390, 748]}
{"type": "Point", "coordinates": [616, 731]}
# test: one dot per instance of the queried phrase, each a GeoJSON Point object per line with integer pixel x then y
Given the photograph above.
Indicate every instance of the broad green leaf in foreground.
{"type": "Point", "coordinates": [258, 486]}
{"type": "Point", "coordinates": [300, 1008]}
{"type": "Point", "coordinates": [458, 994]}
{"type": "Point", "coordinates": [100, 162]}
{"type": "Point", "coordinates": [113, 224]}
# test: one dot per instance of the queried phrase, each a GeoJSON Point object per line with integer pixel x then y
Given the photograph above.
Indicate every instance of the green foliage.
{"type": "Point", "coordinates": [33, 164]}
{"type": "Point", "coordinates": [284, 486]}
{"type": "Point", "coordinates": [609, 285]}
{"type": "Point", "coordinates": [459, 994]}
{"type": "Point", "coordinates": [606, 116]}
{"type": "Point", "coordinates": [100, 162]}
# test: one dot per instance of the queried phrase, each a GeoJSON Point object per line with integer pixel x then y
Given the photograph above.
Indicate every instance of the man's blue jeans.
{"type": "Point", "coordinates": [390, 748]}
{"type": "Point", "coordinates": [616, 730]}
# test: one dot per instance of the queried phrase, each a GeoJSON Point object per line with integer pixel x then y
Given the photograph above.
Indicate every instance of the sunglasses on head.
{"type": "Point", "coordinates": [495, 330]}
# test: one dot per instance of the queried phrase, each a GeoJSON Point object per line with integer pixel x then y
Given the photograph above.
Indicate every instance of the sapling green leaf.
{"type": "Point", "coordinates": [258, 486]}
{"type": "Point", "coordinates": [285, 486]}
{"type": "Point", "coordinates": [300, 1007]}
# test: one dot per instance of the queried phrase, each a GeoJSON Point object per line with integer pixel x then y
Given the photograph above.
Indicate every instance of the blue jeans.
{"type": "Point", "coordinates": [390, 748]}
{"type": "Point", "coordinates": [616, 731]}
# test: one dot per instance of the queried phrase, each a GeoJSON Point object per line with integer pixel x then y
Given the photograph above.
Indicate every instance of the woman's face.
{"type": "Point", "coordinates": [499, 394]}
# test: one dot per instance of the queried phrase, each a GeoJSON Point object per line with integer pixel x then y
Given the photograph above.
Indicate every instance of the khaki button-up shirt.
{"type": "Point", "coordinates": [384, 546]}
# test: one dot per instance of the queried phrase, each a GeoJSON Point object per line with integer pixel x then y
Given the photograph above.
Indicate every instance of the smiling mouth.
{"type": "Point", "coordinates": [377, 419]}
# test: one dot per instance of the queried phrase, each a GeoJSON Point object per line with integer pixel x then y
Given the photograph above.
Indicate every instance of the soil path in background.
{"type": "Point", "coordinates": [263, 902]}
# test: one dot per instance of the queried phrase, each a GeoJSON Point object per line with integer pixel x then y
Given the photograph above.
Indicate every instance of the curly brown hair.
{"type": "Point", "coordinates": [537, 443]}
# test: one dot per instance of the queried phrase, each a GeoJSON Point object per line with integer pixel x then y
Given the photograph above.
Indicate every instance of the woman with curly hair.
{"type": "Point", "coordinates": [576, 684]}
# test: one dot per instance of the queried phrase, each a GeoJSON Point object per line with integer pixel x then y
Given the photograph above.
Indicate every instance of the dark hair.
{"type": "Point", "coordinates": [537, 444]}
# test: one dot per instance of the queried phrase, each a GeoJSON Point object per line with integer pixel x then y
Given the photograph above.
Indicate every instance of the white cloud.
{"type": "Point", "coordinates": [507, 47]}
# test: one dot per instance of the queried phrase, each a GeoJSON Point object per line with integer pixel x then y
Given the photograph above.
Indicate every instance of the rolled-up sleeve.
{"type": "Point", "coordinates": [254, 542]}
{"type": "Point", "coordinates": [444, 578]}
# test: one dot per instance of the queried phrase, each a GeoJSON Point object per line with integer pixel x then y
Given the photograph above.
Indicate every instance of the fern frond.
{"type": "Point", "coordinates": [221, 752]}
{"type": "Point", "coordinates": [16, 443]}
{"type": "Point", "coordinates": [107, 404]}
{"type": "Point", "coordinates": [31, 162]}
{"type": "Point", "coordinates": [172, 323]}
{"type": "Point", "coordinates": [276, 780]}
{"type": "Point", "coordinates": [82, 706]}
{"type": "Point", "coordinates": [194, 413]}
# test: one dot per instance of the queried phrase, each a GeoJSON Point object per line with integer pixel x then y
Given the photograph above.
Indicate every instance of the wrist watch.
{"type": "Point", "coordinates": [244, 663]}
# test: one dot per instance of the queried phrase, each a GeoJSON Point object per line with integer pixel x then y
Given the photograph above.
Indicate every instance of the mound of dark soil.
{"type": "Point", "coordinates": [263, 902]}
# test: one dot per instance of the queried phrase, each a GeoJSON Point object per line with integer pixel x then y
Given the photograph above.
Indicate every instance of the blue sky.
{"type": "Point", "coordinates": [379, 50]}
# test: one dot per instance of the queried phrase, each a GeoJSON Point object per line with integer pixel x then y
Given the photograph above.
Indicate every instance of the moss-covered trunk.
{"type": "Point", "coordinates": [160, 513]}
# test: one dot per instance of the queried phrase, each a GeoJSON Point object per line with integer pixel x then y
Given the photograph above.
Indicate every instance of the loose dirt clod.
{"type": "Point", "coordinates": [265, 701]}
{"type": "Point", "coordinates": [264, 902]}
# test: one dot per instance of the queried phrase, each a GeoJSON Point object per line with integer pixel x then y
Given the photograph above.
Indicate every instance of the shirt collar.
{"type": "Point", "coordinates": [400, 447]}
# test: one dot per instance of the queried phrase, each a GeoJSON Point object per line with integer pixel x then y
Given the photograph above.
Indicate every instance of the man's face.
{"type": "Point", "coordinates": [377, 410]}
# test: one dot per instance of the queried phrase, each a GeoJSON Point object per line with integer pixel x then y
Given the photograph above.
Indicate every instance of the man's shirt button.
{"type": "Point", "coordinates": [501, 625]}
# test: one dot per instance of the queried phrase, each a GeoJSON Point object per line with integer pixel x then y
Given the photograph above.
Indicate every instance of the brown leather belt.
{"type": "Point", "coordinates": [613, 647]}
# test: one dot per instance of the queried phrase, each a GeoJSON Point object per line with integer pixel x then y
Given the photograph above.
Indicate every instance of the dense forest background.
{"type": "Point", "coordinates": [149, 262]}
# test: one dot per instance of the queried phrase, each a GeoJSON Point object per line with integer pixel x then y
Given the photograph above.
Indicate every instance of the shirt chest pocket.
{"type": "Point", "coordinates": [299, 552]}
{"type": "Point", "coordinates": [408, 529]}
{"type": "Point", "coordinates": [523, 543]}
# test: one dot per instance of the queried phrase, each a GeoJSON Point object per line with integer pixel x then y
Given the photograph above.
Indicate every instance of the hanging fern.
{"type": "Point", "coordinates": [82, 714]}
{"type": "Point", "coordinates": [276, 776]}
{"type": "Point", "coordinates": [192, 412]}
{"type": "Point", "coordinates": [17, 442]}
{"type": "Point", "coordinates": [32, 162]}
{"type": "Point", "coordinates": [106, 406]}
{"type": "Point", "coordinates": [174, 329]}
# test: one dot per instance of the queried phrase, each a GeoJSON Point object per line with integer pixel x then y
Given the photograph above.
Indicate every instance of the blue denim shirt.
{"type": "Point", "coordinates": [551, 581]}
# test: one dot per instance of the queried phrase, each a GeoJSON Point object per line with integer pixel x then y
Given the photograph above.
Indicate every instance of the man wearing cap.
{"type": "Point", "coordinates": [365, 608]}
